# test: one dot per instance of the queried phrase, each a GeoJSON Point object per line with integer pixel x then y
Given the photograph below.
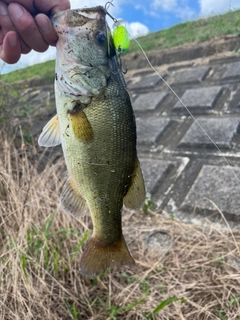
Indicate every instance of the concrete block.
{"type": "Point", "coordinates": [149, 101]}
{"type": "Point", "coordinates": [145, 83]}
{"type": "Point", "coordinates": [200, 98]}
{"type": "Point", "coordinates": [233, 70]}
{"type": "Point", "coordinates": [215, 188]}
{"type": "Point", "coordinates": [195, 75]}
{"type": "Point", "coordinates": [221, 130]}
{"type": "Point", "coordinates": [149, 129]}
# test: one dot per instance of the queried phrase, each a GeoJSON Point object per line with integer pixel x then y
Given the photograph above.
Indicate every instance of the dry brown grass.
{"type": "Point", "coordinates": [40, 248]}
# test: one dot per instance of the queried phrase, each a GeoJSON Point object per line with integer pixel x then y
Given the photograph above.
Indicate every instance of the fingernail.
{"type": "Point", "coordinates": [3, 9]}
{"type": "Point", "coordinates": [13, 40]}
{"type": "Point", "coordinates": [15, 11]}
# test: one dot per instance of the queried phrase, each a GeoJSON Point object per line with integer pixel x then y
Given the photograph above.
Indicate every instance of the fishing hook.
{"type": "Point", "coordinates": [110, 3]}
{"type": "Point", "coordinates": [120, 66]}
{"type": "Point", "coordinates": [119, 50]}
{"type": "Point", "coordinates": [120, 61]}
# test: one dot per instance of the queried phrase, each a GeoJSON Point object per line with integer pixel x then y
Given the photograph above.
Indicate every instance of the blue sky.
{"type": "Point", "coordinates": [157, 17]}
{"type": "Point", "coordinates": [142, 17]}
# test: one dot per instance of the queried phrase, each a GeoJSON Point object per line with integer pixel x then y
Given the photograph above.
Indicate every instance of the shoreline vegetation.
{"type": "Point", "coordinates": [188, 271]}
{"type": "Point", "coordinates": [182, 271]}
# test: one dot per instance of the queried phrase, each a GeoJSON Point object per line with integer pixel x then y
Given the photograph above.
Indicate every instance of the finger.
{"type": "Point", "coordinates": [45, 6]}
{"type": "Point", "coordinates": [7, 25]}
{"type": "Point", "coordinates": [53, 6]}
{"type": "Point", "coordinates": [27, 4]}
{"type": "Point", "coordinates": [1, 36]}
{"type": "Point", "coordinates": [46, 29]}
{"type": "Point", "coordinates": [10, 50]}
{"type": "Point", "coordinates": [26, 27]}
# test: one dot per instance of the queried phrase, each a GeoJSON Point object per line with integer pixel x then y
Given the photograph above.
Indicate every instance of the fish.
{"type": "Point", "coordinates": [95, 125]}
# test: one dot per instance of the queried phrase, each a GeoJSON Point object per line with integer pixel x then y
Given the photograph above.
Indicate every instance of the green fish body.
{"type": "Point", "coordinates": [95, 125]}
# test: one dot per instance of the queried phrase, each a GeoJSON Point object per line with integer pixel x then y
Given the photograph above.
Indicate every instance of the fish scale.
{"type": "Point", "coordinates": [116, 145]}
{"type": "Point", "coordinates": [95, 125]}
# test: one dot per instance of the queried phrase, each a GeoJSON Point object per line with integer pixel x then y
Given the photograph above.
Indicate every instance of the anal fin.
{"type": "Point", "coordinates": [71, 201]}
{"type": "Point", "coordinates": [50, 136]}
{"type": "Point", "coordinates": [136, 192]}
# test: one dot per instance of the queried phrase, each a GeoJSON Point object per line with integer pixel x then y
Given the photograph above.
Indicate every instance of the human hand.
{"type": "Point", "coordinates": [24, 25]}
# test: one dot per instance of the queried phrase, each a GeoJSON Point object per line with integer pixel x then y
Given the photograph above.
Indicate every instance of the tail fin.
{"type": "Point", "coordinates": [98, 256]}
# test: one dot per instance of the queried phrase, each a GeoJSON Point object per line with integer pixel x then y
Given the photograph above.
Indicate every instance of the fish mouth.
{"type": "Point", "coordinates": [78, 53]}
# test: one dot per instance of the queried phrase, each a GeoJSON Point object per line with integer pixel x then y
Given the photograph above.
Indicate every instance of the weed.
{"type": "Point", "coordinates": [161, 306]}
{"type": "Point", "coordinates": [79, 245]}
{"type": "Point", "coordinates": [148, 204]}
{"type": "Point", "coordinates": [129, 278]}
{"type": "Point", "coordinates": [117, 310]}
{"type": "Point", "coordinates": [165, 303]}
{"type": "Point", "coordinates": [73, 310]}
{"type": "Point", "coordinates": [40, 248]}
{"type": "Point", "coordinates": [145, 287]}
{"type": "Point", "coordinates": [204, 37]}
{"type": "Point", "coordinates": [221, 314]}
{"type": "Point", "coordinates": [234, 300]}
{"type": "Point", "coordinates": [220, 262]}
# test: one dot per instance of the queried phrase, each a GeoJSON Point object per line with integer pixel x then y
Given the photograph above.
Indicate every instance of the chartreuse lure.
{"type": "Point", "coordinates": [121, 39]}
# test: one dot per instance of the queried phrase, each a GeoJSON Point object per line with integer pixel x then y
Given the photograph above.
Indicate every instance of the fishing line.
{"type": "Point", "coordinates": [190, 113]}
{"type": "Point", "coordinates": [121, 41]}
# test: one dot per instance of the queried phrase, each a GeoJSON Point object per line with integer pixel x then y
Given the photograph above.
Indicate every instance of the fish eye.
{"type": "Point", "coordinates": [101, 37]}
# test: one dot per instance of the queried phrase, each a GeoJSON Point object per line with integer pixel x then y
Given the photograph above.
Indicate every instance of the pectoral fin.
{"type": "Point", "coordinates": [81, 126]}
{"type": "Point", "coordinates": [71, 201]}
{"type": "Point", "coordinates": [136, 191]}
{"type": "Point", "coordinates": [50, 136]}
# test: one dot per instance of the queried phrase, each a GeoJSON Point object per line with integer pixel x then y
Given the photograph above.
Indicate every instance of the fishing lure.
{"type": "Point", "coordinates": [121, 39]}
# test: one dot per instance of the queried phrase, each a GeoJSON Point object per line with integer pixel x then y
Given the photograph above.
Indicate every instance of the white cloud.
{"type": "Point", "coordinates": [137, 29]}
{"type": "Point", "coordinates": [179, 8]}
{"type": "Point", "coordinates": [148, 11]}
{"type": "Point", "coordinates": [166, 5]}
{"type": "Point", "coordinates": [186, 13]}
{"type": "Point", "coordinates": [213, 7]}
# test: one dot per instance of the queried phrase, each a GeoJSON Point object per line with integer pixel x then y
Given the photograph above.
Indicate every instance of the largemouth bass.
{"type": "Point", "coordinates": [95, 125]}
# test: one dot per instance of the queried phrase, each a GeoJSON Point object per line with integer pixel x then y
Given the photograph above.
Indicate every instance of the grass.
{"type": "Point", "coordinates": [12, 96]}
{"type": "Point", "coordinates": [193, 274]}
{"type": "Point", "coordinates": [191, 32]}
{"type": "Point", "coordinates": [44, 70]}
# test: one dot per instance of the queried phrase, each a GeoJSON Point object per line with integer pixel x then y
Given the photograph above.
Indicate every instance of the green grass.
{"type": "Point", "coordinates": [193, 31]}
{"type": "Point", "coordinates": [41, 71]}
{"type": "Point", "coordinates": [40, 249]}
